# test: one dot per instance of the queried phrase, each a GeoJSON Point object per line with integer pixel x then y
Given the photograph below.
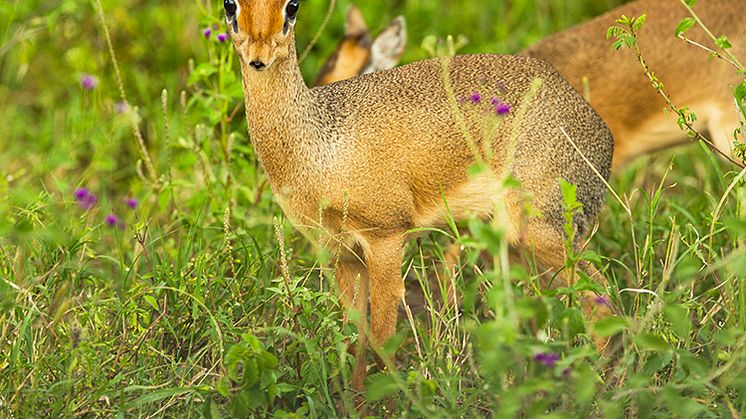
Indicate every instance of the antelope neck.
{"type": "Point", "coordinates": [282, 118]}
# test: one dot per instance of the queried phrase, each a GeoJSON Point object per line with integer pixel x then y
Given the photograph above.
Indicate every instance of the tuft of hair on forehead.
{"type": "Point", "coordinates": [261, 19]}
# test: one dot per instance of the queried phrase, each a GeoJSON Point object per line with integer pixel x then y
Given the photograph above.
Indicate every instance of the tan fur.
{"type": "Point", "coordinates": [621, 93]}
{"type": "Point", "coordinates": [379, 152]}
{"type": "Point", "coordinates": [357, 54]}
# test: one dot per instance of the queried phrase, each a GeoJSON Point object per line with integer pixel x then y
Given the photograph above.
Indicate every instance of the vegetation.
{"type": "Point", "coordinates": [145, 269]}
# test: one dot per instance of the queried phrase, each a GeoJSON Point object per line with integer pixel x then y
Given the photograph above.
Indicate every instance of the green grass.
{"type": "Point", "coordinates": [189, 309]}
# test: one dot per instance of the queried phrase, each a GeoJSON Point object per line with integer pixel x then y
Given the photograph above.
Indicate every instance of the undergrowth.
{"type": "Point", "coordinates": [174, 288]}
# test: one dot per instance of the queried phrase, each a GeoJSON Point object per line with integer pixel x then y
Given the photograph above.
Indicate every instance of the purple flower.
{"type": "Point", "coordinates": [207, 32]}
{"type": "Point", "coordinates": [81, 193]}
{"type": "Point", "coordinates": [475, 97]}
{"type": "Point", "coordinates": [501, 108]}
{"type": "Point", "coordinates": [88, 82]}
{"type": "Point", "coordinates": [112, 220]}
{"type": "Point", "coordinates": [547, 358]}
{"type": "Point", "coordinates": [131, 202]}
{"type": "Point", "coordinates": [121, 107]}
{"type": "Point", "coordinates": [222, 37]}
{"type": "Point", "coordinates": [85, 198]}
{"type": "Point", "coordinates": [602, 300]}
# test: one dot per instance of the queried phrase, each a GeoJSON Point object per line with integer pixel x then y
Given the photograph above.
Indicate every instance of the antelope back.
{"type": "Point", "coordinates": [616, 86]}
{"type": "Point", "coordinates": [359, 54]}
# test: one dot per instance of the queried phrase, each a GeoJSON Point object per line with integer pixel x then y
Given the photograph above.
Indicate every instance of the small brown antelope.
{"type": "Point", "coordinates": [358, 54]}
{"type": "Point", "coordinates": [381, 154]}
{"type": "Point", "coordinates": [622, 94]}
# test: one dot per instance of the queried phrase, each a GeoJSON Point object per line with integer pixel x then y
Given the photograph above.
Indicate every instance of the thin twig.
{"type": "Point", "coordinates": [120, 84]}
{"type": "Point", "coordinates": [683, 117]}
{"type": "Point", "coordinates": [321, 30]}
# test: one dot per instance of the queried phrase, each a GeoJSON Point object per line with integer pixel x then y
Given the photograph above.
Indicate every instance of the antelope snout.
{"type": "Point", "coordinates": [257, 65]}
{"type": "Point", "coordinates": [259, 56]}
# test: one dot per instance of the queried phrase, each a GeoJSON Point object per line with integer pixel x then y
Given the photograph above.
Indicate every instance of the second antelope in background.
{"type": "Point", "coordinates": [620, 91]}
{"type": "Point", "coordinates": [359, 54]}
{"type": "Point", "coordinates": [363, 162]}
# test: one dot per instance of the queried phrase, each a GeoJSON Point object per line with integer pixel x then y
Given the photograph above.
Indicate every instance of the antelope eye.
{"type": "Point", "coordinates": [230, 8]}
{"type": "Point", "coordinates": [291, 10]}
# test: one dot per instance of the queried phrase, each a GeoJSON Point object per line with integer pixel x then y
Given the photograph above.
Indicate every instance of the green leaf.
{"type": "Point", "coordinates": [223, 386]}
{"type": "Point", "coordinates": [651, 342]}
{"type": "Point", "coordinates": [159, 395]}
{"type": "Point", "coordinates": [250, 372]}
{"type": "Point", "coordinates": [211, 410]}
{"type": "Point", "coordinates": [569, 192]}
{"type": "Point", "coordinates": [381, 386]}
{"type": "Point", "coordinates": [202, 72]}
{"type": "Point", "coordinates": [639, 22]}
{"type": "Point", "coordinates": [151, 301]}
{"type": "Point", "coordinates": [723, 42]}
{"type": "Point", "coordinates": [610, 326]}
{"type": "Point", "coordinates": [740, 92]}
{"type": "Point", "coordinates": [679, 319]}
{"type": "Point", "coordinates": [236, 355]}
{"type": "Point", "coordinates": [571, 322]}
{"type": "Point", "coordinates": [685, 25]}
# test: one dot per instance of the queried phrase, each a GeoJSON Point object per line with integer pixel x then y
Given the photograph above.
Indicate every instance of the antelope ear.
{"type": "Point", "coordinates": [388, 46]}
{"type": "Point", "coordinates": [355, 23]}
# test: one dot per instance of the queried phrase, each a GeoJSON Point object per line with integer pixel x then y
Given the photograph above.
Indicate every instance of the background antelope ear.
{"type": "Point", "coordinates": [388, 46]}
{"type": "Point", "coordinates": [355, 23]}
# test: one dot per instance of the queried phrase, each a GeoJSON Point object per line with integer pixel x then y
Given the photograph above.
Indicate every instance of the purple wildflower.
{"type": "Point", "coordinates": [207, 32]}
{"type": "Point", "coordinates": [121, 107]}
{"type": "Point", "coordinates": [88, 202]}
{"type": "Point", "coordinates": [502, 109]}
{"type": "Point", "coordinates": [131, 202]}
{"type": "Point", "coordinates": [222, 37]}
{"type": "Point", "coordinates": [85, 198]}
{"type": "Point", "coordinates": [81, 193]}
{"type": "Point", "coordinates": [475, 97]}
{"type": "Point", "coordinates": [602, 300]}
{"type": "Point", "coordinates": [547, 358]}
{"type": "Point", "coordinates": [88, 82]}
{"type": "Point", "coordinates": [112, 220]}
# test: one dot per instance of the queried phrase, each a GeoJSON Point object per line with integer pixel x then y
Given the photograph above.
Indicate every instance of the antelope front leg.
{"type": "Point", "coordinates": [352, 277]}
{"type": "Point", "coordinates": [386, 287]}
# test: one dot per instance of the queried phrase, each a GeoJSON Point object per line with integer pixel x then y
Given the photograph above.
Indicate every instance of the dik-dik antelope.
{"type": "Point", "coordinates": [369, 159]}
{"type": "Point", "coordinates": [358, 54]}
{"type": "Point", "coordinates": [622, 94]}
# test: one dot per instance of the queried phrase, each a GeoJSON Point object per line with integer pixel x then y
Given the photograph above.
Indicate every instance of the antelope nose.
{"type": "Point", "coordinates": [257, 65]}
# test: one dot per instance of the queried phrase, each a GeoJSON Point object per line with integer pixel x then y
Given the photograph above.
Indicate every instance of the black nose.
{"type": "Point", "coordinates": [257, 65]}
